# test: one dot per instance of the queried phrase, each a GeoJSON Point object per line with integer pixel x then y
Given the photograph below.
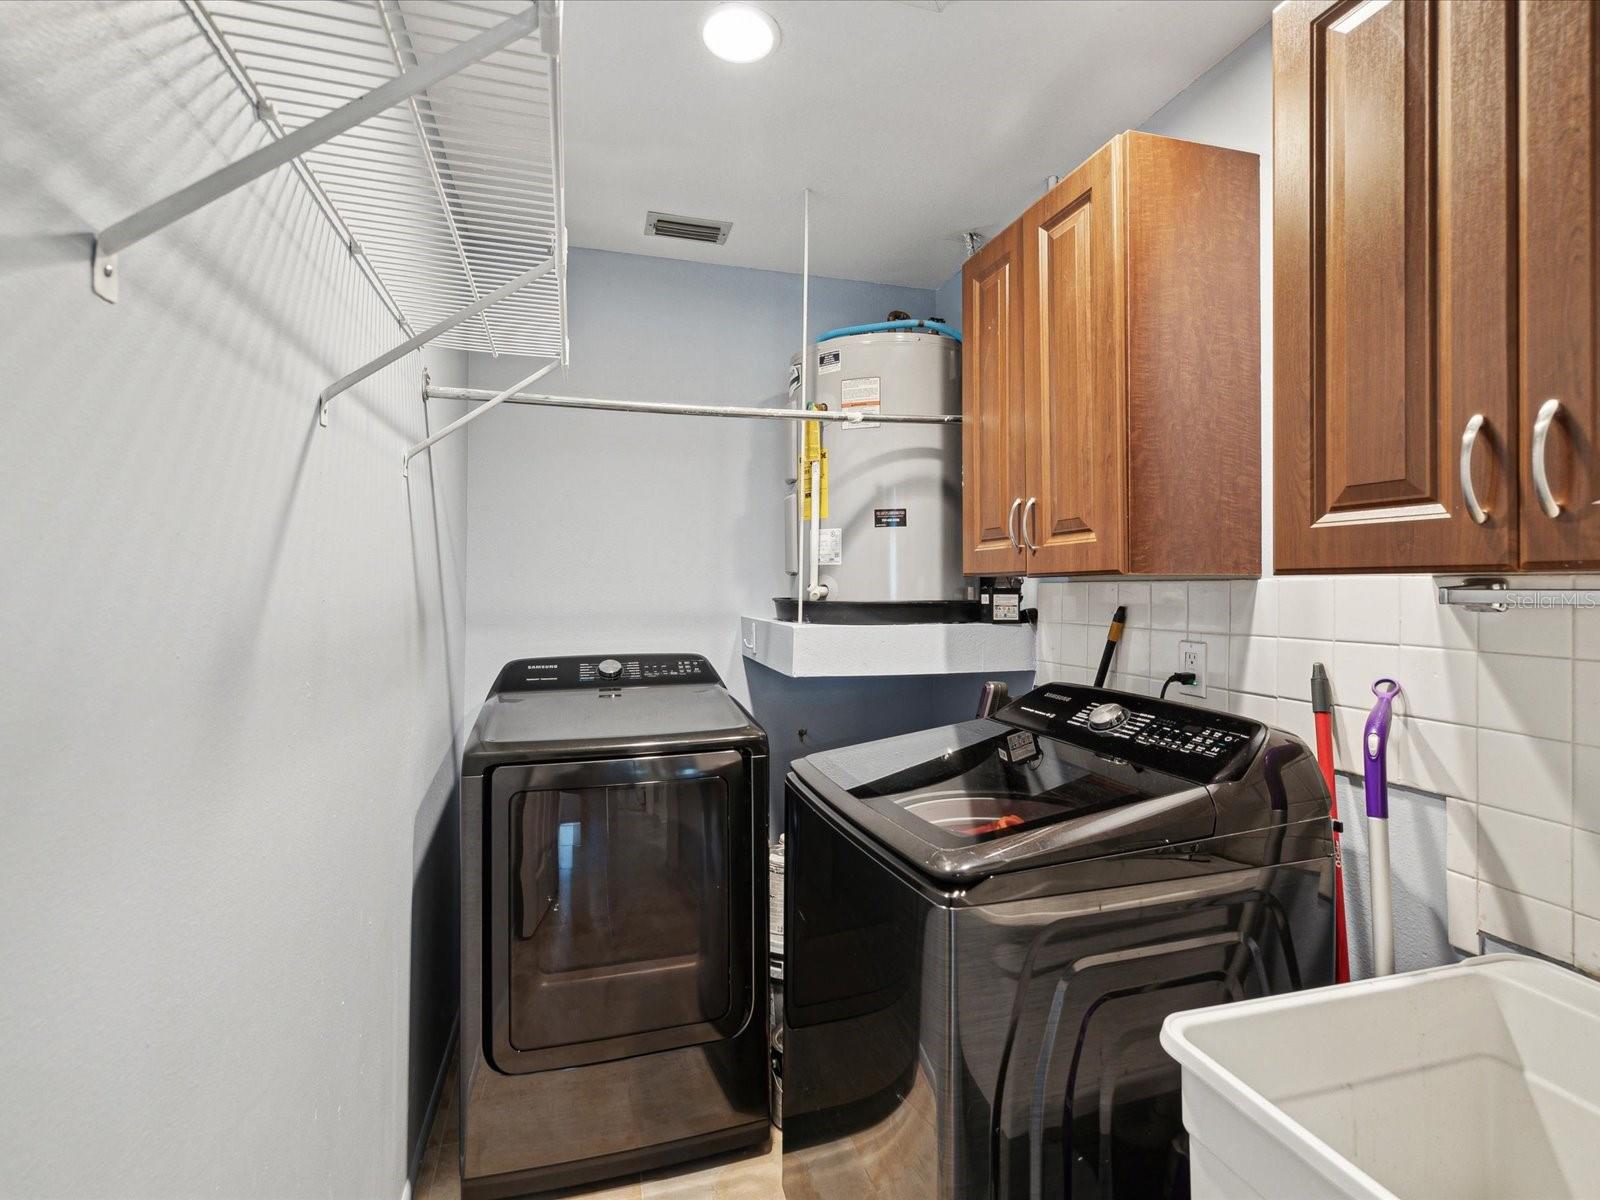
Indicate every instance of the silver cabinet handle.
{"type": "Point", "coordinates": [1011, 523]}
{"type": "Point", "coordinates": [1548, 412]}
{"type": "Point", "coordinates": [1469, 439]}
{"type": "Point", "coordinates": [1027, 520]}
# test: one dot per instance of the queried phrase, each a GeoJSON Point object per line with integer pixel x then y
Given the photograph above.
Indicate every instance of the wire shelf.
{"type": "Point", "coordinates": [448, 195]}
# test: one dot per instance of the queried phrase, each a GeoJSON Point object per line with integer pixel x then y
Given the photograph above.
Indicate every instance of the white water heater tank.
{"type": "Point", "coordinates": [893, 529]}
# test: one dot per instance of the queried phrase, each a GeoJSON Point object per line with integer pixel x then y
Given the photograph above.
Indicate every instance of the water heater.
{"type": "Point", "coordinates": [889, 543]}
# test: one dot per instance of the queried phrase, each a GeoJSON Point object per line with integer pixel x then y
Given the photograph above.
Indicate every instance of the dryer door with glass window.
{"type": "Point", "coordinates": [621, 904]}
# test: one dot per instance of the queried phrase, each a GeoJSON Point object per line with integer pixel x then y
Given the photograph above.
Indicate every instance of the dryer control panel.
{"type": "Point", "coordinates": [603, 670]}
{"type": "Point", "coordinates": [1191, 743]}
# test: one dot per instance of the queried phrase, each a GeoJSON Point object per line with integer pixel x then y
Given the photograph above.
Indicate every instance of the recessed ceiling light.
{"type": "Point", "coordinates": [739, 33]}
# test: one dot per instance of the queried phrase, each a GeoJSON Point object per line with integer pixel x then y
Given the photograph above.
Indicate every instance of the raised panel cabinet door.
{"type": "Point", "coordinates": [992, 432]}
{"type": "Point", "coordinates": [1394, 285]}
{"type": "Point", "coordinates": [1075, 509]}
{"type": "Point", "coordinates": [1560, 55]}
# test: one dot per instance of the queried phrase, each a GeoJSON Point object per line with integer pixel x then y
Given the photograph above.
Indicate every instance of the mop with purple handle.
{"type": "Point", "coordinates": [1375, 753]}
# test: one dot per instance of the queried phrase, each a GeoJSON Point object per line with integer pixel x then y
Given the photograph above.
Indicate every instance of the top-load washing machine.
{"type": "Point", "coordinates": [986, 923]}
{"type": "Point", "coordinates": [613, 923]}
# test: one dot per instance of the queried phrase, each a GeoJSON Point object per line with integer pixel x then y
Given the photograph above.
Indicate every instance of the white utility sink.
{"type": "Point", "coordinates": [1478, 1081]}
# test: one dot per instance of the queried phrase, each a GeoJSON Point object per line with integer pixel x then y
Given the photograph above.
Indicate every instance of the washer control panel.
{"type": "Point", "coordinates": [603, 670]}
{"type": "Point", "coordinates": [1192, 743]}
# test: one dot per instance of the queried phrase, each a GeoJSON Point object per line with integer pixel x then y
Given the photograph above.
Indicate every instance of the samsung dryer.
{"type": "Point", "coordinates": [613, 923]}
{"type": "Point", "coordinates": [986, 923]}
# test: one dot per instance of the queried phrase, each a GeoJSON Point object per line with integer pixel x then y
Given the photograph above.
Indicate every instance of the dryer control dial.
{"type": "Point", "coordinates": [1106, 717]}
{"type": "Point", "coordinates": [608, 668]}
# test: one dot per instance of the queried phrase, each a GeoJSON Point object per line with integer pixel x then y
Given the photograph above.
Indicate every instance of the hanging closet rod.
{"type": "Point", "coordinates": [117, 237]}
{"type": "Point", "coordinates": [691, 410]}
{"type": "Point", "coordinates": [491, 400]}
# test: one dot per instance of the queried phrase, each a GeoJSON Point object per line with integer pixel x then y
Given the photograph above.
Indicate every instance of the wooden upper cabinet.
{"type": "Point", "coordinates": [992, 446]}
{"type": "Point", "coordinates": [1076, 494]}
{"type": "Point", "coordinates": [1394, 285]}
{"type": "Point", "coordinates": [1137, 416]}
{"type": "Point", "coordinates": [1560, 185]}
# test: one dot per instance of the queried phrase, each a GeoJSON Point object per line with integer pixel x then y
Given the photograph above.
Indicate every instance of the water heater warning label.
{"type": "Point", "coordinates": [860, 396]}
{"type": "Point", "coordinates": [830, 547]}
{"type": "Point", "coordinates": [828, 362]}
{"type": "Point", "coordinates": [889, 518]}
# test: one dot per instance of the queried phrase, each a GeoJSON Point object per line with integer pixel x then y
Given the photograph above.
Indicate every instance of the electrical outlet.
{"type": "Point", "coordinates": [1192, 657]}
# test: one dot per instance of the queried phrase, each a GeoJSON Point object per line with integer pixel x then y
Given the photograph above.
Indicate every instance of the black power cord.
{"type": "Point", "coordinates": [1186, 678]}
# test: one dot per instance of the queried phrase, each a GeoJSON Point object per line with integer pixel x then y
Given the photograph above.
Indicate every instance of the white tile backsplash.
{"type": "Point", "coordinates": [1356, 665]}
{"type": "Point", "coordinates": [1074, 602]}
{"type": "Point", "coordinates": [1586, 702]}
{"type": "Point", "coordinates": [1586, 787]}
{"type": "Point", "coordinates": [1072, 642]}
{"type": "Point", "coordinates": [1208, 607]}
{"type": "Point", "coordinates": [1165, 656]}
{"type": "Point", "coordinates": [1545, 631]}
{"type": "Point", "coordinates": [1305, 608]}
{"type": "Point", "coordinates": [1426, 622]}
{"type": "Point", "coordinates": [1135, 597]}
{"type": "Point", "coordinates": [1532, 776]}
{"type": "Point", "coordinates": [1257, 708]}
{"type": "Point", "coordinates": [1586, 633]}
{"type": "Point", "coordinates": [1253, 666]}
{"type": "Point", "coordinates": [1133, 654]}
{"type": "Point", "coordinates": [1586, 944]}
{"type": "Point", "coordinates": [1169, 605]}
{"type": "Point", "coordinates": [1513, 917]}
{"type": "Point", "coordinates": [1432, 755]}
{"type": "Point", "coordinates": [1525, 854]}
{"type": "Point", "coordinates": [1296, 717]}
{"type": "Point", "coordinates": [1500, 713]}
{"type": "Point", "coordinates": [1461, 836]}
{"type": "Point", "coordinates": [1441, 685]}
{"type": "Point", "coordinates": [1295, 658]}
{"type": "Point", "coordinates": [1366, 609]}
{"type": "Point", "coordinates": [1217, 650]}
{"type": "Point", "coordinates": [1586, 872]}
{"type": "Point", "coordinates": [1523, 694]}
{"type": "Point", "coordinates": [1102, 603]}
{"type": "Point", "coordinates": [1461, 904]}
{"type": "Point", "coordinates": [1253, 608]}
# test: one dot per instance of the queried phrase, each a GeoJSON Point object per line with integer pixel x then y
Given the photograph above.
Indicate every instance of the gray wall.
{"type": "Point", "coordinates": [232, 649]}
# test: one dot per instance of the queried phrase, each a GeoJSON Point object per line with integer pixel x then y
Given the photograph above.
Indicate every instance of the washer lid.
{"type": "Point", "coordinates": [962, 802]}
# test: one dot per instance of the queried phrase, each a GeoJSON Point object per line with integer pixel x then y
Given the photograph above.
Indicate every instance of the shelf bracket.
{"type": "Point", "coordinates": [1498, 596]}
{"type": "Point", "coordinates": [325, 397]}
{"type": "Point", "coordinates": [467, 418]}
{"type": "Point", "coordinates": [114, 239]}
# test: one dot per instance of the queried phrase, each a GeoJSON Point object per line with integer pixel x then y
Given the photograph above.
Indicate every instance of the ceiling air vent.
{"type": "Point", "coordinates": [688, 229]}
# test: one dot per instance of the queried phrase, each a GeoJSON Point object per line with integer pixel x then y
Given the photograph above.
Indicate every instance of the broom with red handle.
{"type": "Point", "coordinates": [1322, 708]}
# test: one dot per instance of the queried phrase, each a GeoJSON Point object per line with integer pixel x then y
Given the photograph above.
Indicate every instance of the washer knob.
{"type": "Point", "coordinates": [608, 668]}
{"type": "Point", "coordinates": [1107, 717]}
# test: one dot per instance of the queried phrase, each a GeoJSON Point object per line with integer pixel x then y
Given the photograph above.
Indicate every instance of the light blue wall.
{"type": "Point", "coordinates": [592, 531]}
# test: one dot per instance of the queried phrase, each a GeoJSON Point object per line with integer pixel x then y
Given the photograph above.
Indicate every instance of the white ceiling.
{"type": "Point", "coordinates": [909, 124]}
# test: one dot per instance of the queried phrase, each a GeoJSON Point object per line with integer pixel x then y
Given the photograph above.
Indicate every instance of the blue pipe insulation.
{"type": "Point", "coordinates": [940, 327]}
